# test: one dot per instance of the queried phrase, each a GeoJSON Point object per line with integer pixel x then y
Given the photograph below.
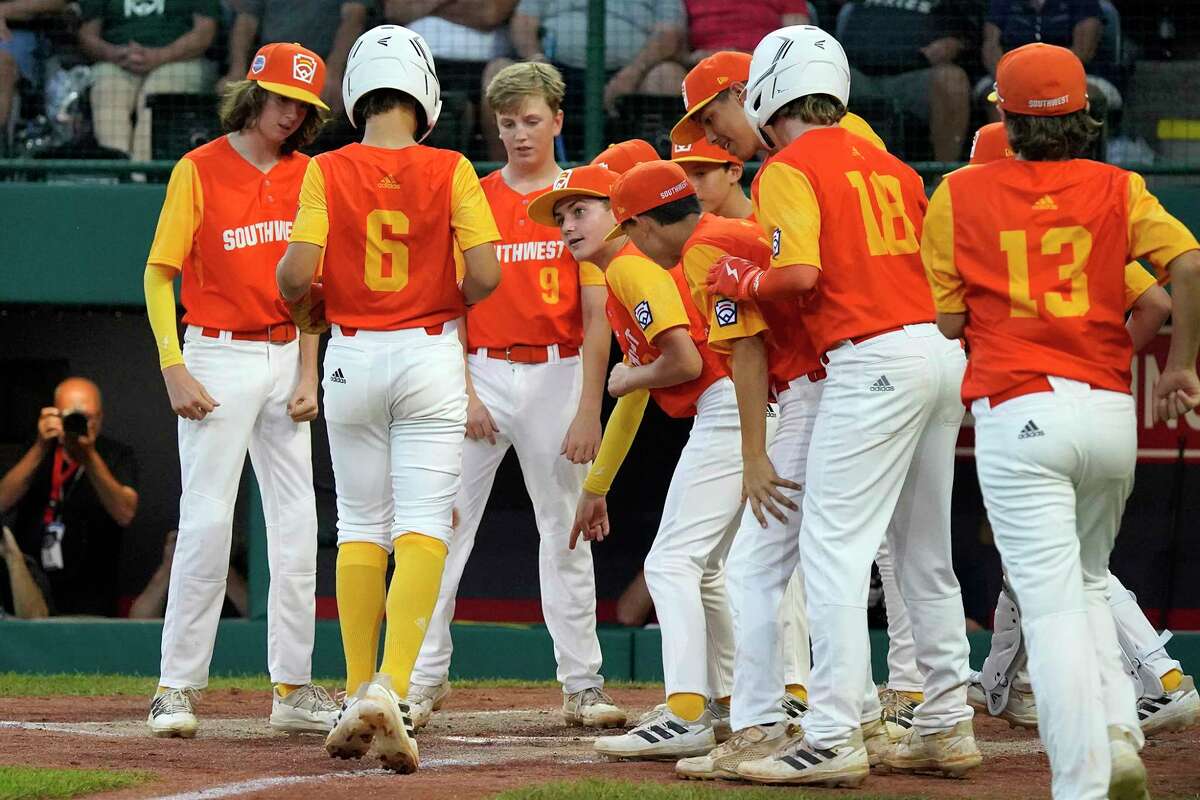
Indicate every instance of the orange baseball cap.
{"type": "Point", "coordinates": [590, 181]}
{"type": "Point", "coordinates": [623, 155]}
{"type": "Point", "coordinates": [291, 70]}
{"type": "Point", "coordinates": [1041, 80]}
{"type": "Point", "coordinates": [644, 187]}
{"type": "Point", "coordinates": [991, 144]}
{"type": "Point", "coordinates": [701, 152]}
{"type": "Point", "coordinates": [710, 77]}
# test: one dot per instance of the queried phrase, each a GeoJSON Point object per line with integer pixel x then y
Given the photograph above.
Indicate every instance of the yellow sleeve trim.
{"type": "Point", "coordinates": [470, 213]}
{"type": "Point", "coordinates": [1138, 281]}
{"type": "Point", "coordinates": [790, 215]}
{"type": "Point", "coordinates": [312, 220]}
{"type": "Point", "coordinates": [728, 320]}
{"type": "Point", "coordinates": [622, 427]}
{"type": "Point", "coordinates": [1153, 233]}
{"type": "Point", "coordinates": [937, 253]}
{"type": "Point", "coordinates": [182, 211]}
{"type": "Point", "coordinates": [649, 293]}
{"type": "Point", "coordinates": [159, 284]}
{"type": "Point", "coordinates": [590, 274]}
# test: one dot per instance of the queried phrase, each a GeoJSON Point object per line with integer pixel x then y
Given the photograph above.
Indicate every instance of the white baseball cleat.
{"type": "Point", "coordinates": [794, 708]}
{"type": "Point", "coordinates": [1127, 776]}
{"type": "Point", "coordinates": [424, 700]}
{"type": "Point", "coordinates": [799, 763]}
{"type": "Point", "coordinates": [388, 716]}
{"type": "Point", "coordinates": [351, 735]}
{"type": "Point", "coordinates": [723, 761]}
{"type": "Point", "coordinates": [898, 711]}
{"type": "Point", "coordinates": [1019, 712]}
{"type": "Point", "coordinates": [592, 708]}
{"type": "Point", "coordinates": [661, 736]}
{"type": "Point", "coordinates": [952, 752]}
{"type": "Point", "coordinates": [173, 713]}
{"type": "Point", "coordinates": [307, 709]}
{"type": "Point", "coordinates": [878, 738]}
{"type": "Point", "coordinates": [1172, 711]}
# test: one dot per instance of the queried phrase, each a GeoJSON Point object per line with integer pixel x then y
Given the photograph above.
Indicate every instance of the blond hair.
{"type": "Point", "coordinates": [517, 82]}
{"type": "Point", "coordinates": [814, 109]}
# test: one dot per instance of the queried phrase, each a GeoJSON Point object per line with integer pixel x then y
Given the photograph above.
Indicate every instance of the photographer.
{"type": "Point", "coordinates": [71, 497]}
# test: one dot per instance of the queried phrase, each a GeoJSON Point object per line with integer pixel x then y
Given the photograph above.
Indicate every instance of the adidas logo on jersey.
{"type": "Point", "coordinates": [337, 376]}
{"type": "Point", "coordinates": [1045, 203]}
{"type": "Point", "coordinates": [882, 385]}
{"type": "Point", "coordinates": [388, 182]}
{"type": "Point", "coordinates": [1030, 431]}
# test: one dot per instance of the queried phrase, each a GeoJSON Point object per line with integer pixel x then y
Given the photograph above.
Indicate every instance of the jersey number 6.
{"type": "Point", "coordinates": [385, 267]}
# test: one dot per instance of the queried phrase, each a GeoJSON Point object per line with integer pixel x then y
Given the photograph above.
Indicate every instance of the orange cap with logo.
{"type": "Point", "coordinates": [291, 70]}
{"type": "Point", "coordinates": [1041, 80]}
{"type": "Point", "coordinates": [991, 144]}
{"type": "Point", "coordinates": [710, 77]}
{"type": "Point", "coordinates": [644, 187]}
{"type": "Point", "coordinates": [590, 181]}
{"type": "Point", "coordinates": [701, 152]}
{"type": "Point", "coordinates": [623, 155]}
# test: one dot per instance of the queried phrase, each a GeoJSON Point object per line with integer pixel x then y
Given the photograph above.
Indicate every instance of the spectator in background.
{"type": "Point", "coordinates": [645, 43]}
{"type": "Point", "coordinates": [152, 602]}
{"type": "Point", "coordinates": [23, 592]}
{"type": "Point", "coordinates": [73, 495]}
{"type": "Point", "coordinates": [18, 48]}
{"type": "Point", "coordinates": [464, 36]}
{"type": "Point", "coordinates": [327, 27]}
{"type": "Point", "coordinates": [143, 47]}
{"type": "Point", "coordinates": [1074, 24]}
{"type": "Point", "coordinates": [907, 53]}
{"type": "Point", "coordinates": [726, 25]}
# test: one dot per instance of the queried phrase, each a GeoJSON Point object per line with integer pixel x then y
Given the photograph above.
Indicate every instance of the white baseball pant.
{"type": "Point", "coordinates": [253, 381]}
{"type": "Point", "coordinates": [395, 405]}
{"type": "Point", "coordinates": [881, 463]}
{"type": "Point", "coordinates": [903, 675]}
{"type": "Point", "coordinates": [533, 406]}
{"type": "Point", "coordinates": [1055, 469]}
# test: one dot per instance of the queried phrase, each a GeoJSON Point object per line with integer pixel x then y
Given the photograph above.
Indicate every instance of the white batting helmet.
{"type": "Point", "coordinates": [790, 63]}
{"type": "Point", "coordinates": [393, 57]}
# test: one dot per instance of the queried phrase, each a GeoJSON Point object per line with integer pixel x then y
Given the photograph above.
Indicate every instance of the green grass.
{"type": "Point", "coordinates": [33, 783]}
{"type": "Point", "coordinates": [19, 684]}
{"type": "Point", "coordinates": [626, 790]}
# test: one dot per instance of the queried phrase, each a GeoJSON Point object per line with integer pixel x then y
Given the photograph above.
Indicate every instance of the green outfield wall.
{"type": "Point", "coordinates": [522, 652]}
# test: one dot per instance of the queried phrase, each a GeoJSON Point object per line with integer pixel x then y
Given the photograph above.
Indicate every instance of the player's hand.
{"type": "Point", "coordinates": [309, 311]}
{"type": "Point", "coordinates": [480, 424]}
{"type": "Point", "coordinates": [620, 380]}
{"type": "Point", "coordinates": [735, 278]}
{"type": "Point", "coordinates": [583, 438]}
{"type": "Point", "coordinates": [303, 405]}
{"type": "Point", "coordinates": [189, 399]}
{"type": "Point", "coordinates": [591, 518]}
{"type": "Point", "coordinates": [760, 488]}
{"type": "Point", "coordinates": [1176, 392]}
{"type": "Point", "coordinates": [50, 429]}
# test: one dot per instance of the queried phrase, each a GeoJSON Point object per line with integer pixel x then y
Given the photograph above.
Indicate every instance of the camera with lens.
{"type": "Point", "coordinates": [75, 423]}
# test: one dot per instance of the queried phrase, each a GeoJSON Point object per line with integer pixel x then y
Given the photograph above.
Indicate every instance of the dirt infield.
{"type": "Point", "coordinates": [483, 742]}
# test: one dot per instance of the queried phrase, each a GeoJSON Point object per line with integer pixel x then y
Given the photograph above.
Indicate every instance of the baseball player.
{"type": "Point", "coordinates": [712, 98]}
{"type": "Point", "coordinates": [1167, 699]}
{"type": "Point", "coordinates": [662, 336]}
{"type": "Point", "coordinates": [1027, 257]}
{"type": "Point", "coordinates": [244, 381]}
{"type": "Point", "coordinates": [530, 388]}
{"type": "Point", "coordinates": [844, 219]}
{"type": "Point", "coordinates": [387, 217]}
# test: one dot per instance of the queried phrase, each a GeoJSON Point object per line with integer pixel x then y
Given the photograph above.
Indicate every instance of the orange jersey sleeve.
{"type": "Point", "coordinates": [834, 201]}
{"type": "Point", "coordinates": [393, 219]}
{"type": "Point", "coordinates": [225, 224]}
{"type": "Point", "coordinates": [538, 299]}
{"type": "Point", "coordinates": [644, 300]}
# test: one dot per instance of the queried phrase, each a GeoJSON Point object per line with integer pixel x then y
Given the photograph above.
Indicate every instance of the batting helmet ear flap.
{"type": "Point", "coordinates": [393, 57]}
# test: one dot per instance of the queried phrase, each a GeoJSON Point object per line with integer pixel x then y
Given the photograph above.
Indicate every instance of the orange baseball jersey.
{"type": "Point", "coordinates": [225, 224]}
{"type": "Point", "coordinates": [1035, 253]}
{"type": "Point", "coordinates": [790, 353]}
{"type": "Point", "coordinates": [389, 221]}
{"type": "Point", "coordinates": [834, 201]}
{"type": "Point", "coordinates": [538, 300]}
{"type": "Point", "coordinates": [643, 301]}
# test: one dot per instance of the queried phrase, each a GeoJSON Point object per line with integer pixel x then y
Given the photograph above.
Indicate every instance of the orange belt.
{"type": "Point", "coordinates": [527, 353]}
{"type": "Point", "coordinates": [275, 334]}
{"type": "Point", "coordinates": [860, 339]}
{"type": "Point", "coordinates": [432, 330]}
{"type": "Point", "coordinates": [1031, 386]}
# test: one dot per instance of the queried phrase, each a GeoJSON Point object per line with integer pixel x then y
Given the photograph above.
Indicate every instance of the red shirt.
{"type": "Point", "coordinates": [726, 25]}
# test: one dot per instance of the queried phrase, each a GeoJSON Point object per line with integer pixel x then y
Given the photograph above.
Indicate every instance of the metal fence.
{"type": "Point", "coordinates": [93, 101]}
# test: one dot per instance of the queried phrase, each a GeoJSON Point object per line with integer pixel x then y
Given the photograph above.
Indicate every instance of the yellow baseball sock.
{"type": "Point", "coordinates": [687, 706]}
{"type": "Point", "coordinates": [916, 697]}
{"type": "Point", "coordinates": [361, 570]}
{"type": "Point", "coordinates": [285, 689]}
{"type": "Point", "coordinates": [726, 700]}
{"type": "Point", "coordinates": [797, 690]}
{"type": "Point", "coordinates": [416, 581]}
{"type": "Point", "coordinates": [1171, 680]}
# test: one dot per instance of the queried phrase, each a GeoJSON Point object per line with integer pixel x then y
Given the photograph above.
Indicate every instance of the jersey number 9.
{"type": "Point", "coordinates": [385, 267]}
